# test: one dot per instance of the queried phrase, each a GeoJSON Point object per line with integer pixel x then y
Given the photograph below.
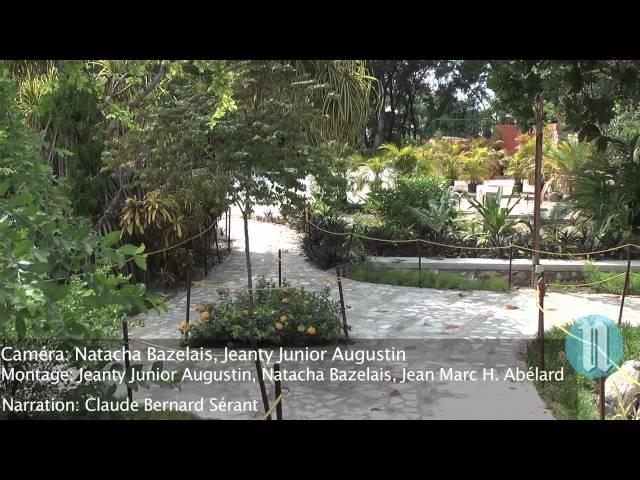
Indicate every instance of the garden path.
{"type": "Point", "coordinates": [437, 328]}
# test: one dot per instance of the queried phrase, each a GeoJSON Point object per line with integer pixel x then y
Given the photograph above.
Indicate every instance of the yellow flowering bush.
{"type": "Point", "coordinates": [279, 316]}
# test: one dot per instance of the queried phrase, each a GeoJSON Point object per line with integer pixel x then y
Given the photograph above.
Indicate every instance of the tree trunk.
{"type": "Point", "coordinates": [378, 138]}
{"type": "Point", "coordinates": [137, 99]}
{"type": "Point", "coordinates": [245, 220]}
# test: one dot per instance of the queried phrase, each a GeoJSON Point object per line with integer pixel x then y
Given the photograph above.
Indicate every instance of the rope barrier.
{"type": "Point", "coordinates": [618, 368]}
{"type": "Point", "coordinates": [108, 267]}
{"type": "Point", "coordinates": [285, 391]}
{"type": "Point", "coordinates": [214, 286]}
{"type": "Point", "coordinates": [183, 242]}
{"type": "Point", "coordinates": [571, 285]}
{"type": "Point", "coordinates": [500, 247]}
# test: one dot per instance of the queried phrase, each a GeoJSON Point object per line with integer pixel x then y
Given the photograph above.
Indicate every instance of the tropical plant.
{"type": "Point", "coordinates": [476, 165]}
{"type": "Point", "coordinates": [404, 160]}
{"type": "Point", "coordinates": [416, 191]}
{"type": "Point", "coordinates": [563, 162]}
{"type": "Point", "coordinates": [57, 286]}
{"type": "Point", "coordinates": [497, 228]}
{"type": "Point", "coordinates": [154, 212]}
{"type": "Point", "coordinates": [526, 155]}
{"type": "Point", "coordinates": [606, 197]}
{"type": "Point", "coordinates": [517, 168]}
{"type": "Point", "coordinates": [371, 172]}
{"type": "Point", "coordinates": [444, 155]}
{"type": "Point", "coordinates": [274, 137]}
{"type": "Point", "coordinates": [324, 249]}
{"type": "Point", "coordinates": [439, 218]}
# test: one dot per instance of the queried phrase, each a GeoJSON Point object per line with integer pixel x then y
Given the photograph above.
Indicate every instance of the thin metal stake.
{"type": "Point", "coordinates": [215, 239]}
{"type": "Point", "coordinates": [542, 288]}
{"type": "Point", "coordinates": [419, 264]}
{"type": "Point", "coordinates": [278, 387]}
{"type": "Point", "coordinates": [344, 313]}
{"type": "Point", "coordinates": [229, 232]}
{"type": "Point", "coordinates": [510, 264]}
{"type": "Point", "coordinates": [279, 267]}
{"type": "Point", "coordinates": [602, 392]}
{"type": "Point", "coordinates": [127, 363]}
{"type": "Point", "coordinates": [626, 284]}
{"type": "Point", "coordinates": [206, 256]}
{"type": "Point", "coordinates": [188, 294]}
{"type": "Point", "coordinates": [263, 388]}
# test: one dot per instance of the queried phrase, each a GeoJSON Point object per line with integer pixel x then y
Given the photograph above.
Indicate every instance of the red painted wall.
{"type": "Point", "coordinates": [509, 133]}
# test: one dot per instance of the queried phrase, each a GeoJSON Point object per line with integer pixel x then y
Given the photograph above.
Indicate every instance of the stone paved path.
{"type": "Point", "coordinates": [440, 327]}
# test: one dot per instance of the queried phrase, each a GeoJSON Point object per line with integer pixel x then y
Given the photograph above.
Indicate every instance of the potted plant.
{"type": "Point", "coordinates": [517, 168]}
{"type": "Point", "coordinates": [475, 167]}
{"type": "Point", "coordinates": [445, 156]}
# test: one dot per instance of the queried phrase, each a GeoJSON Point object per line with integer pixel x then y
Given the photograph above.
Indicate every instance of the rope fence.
{"type": "Point", "coordinates": [461, 247]}
{"type": "Point", "coordinates": [281, 392]}
{"type": "Point", "coordinates": [540, 294]}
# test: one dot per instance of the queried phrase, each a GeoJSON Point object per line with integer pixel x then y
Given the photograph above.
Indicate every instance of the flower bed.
{"type": "Point", "coordinates": [280, 316]}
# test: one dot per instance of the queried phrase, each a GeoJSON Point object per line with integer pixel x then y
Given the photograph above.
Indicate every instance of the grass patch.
{"type": "Point", "coordinates": [575, 398]}
{"type": "Point", "coordinates": [614, 286]}
{"type": "Point", "coordinates": [367, 272]}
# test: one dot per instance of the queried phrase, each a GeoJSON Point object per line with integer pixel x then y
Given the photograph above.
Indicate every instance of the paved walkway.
{"type": "Point", "coordinates": [438, 328]}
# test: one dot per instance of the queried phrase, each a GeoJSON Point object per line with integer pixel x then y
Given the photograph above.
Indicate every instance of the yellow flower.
{"type": "Point", "coordinates": [301, 328]}
{"type": "Point", "coordinates": [285, 300]}
{"type": "Point", "coordinates": [283, 318]}
{"type": "Point", "coordinates": [245, 312]}
{"type": "Point", "coordinates": [279, 326]}
{"type": "Point", "coordinates": [285, 290]}
{"type": "Point", "coordinates": [183, 324]}
{"type": "Point", "coordinates": [312, 330]}
{"type": "Point", "coordinates": [204, 315]}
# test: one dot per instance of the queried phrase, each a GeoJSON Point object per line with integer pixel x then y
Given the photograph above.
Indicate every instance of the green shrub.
{"type": "Point", "coordinates": [280, 316]}
{"type": "Point", "coordinates": [368, 272]}
{"type": "Point", "coordinates": [615, 286]}
{"type": "Point", "coordinates": [323, 249]}
{"type": "Point", "coordinates": [103, 322]}
{"type": "Point", "coordinates": [574, 398]}
{"type": "Point", "coordinates": [392, 203]}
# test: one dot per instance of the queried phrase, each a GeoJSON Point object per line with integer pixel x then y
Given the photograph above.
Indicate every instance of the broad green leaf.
{"type": "Point", "coordinates": [129, 249]}
{"type": "Point", "coordinates": [21, 247]}
{"type": "Point", "coordinates": [141, 261]}
{"type": "Point", "coordinates": [4, 186]}
{"type": "Point", "coordinates": [111, 238]}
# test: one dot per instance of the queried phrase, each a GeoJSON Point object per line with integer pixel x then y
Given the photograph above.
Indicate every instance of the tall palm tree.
{"type": "Point", "coordinates": [346, 98]}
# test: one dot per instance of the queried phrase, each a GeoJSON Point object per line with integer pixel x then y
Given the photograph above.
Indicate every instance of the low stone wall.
{"type": "Point", "coordinates": [555, 269]}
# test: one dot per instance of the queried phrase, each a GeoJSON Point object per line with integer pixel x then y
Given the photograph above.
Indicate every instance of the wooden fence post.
{"type": "Point", "coordinates": [263, 388]}
{"type": "Point", "coordinates": [626, 284]}
{"type": "Point", "coordinates": [278, 390]}
{"type": "Point", "coordinates": [542, 288]}
{"type": "Point", "coordinates": [127, 363]}
{"type": "Point", "coordinates": [345, 327]}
